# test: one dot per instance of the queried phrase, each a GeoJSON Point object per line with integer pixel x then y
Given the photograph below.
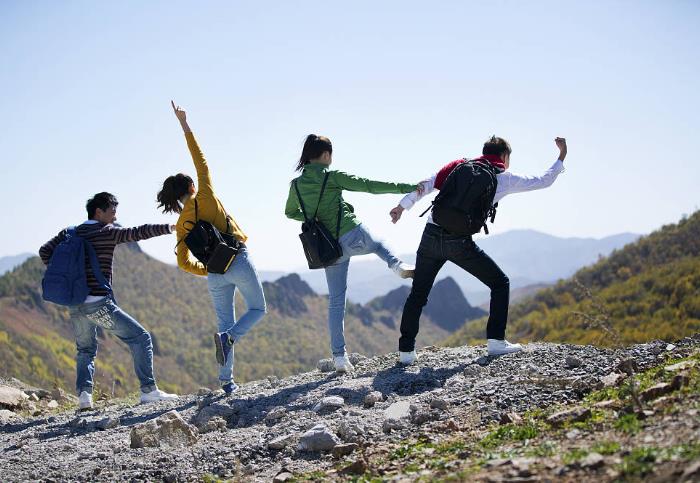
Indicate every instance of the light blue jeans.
{"type": "Point", "coordinates": [106, 314]}
{"type": "Point", "coordinates": [357, 241]}
{"type": "Point", "coordinates": [240, 275]}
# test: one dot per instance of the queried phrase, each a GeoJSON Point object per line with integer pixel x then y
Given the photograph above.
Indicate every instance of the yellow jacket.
{"type": "Point", "coordinates": [209, 208]}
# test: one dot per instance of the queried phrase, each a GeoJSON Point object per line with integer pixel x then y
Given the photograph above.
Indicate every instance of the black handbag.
{"type": "Point", "coordinates": [214, 249]}
{"type": "Point", "coordinates": [320, 246]}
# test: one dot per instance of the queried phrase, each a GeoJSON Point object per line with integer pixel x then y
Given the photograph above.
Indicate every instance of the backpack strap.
{"type": "Point", "coordinates": [95, 264]}
{"type": "Point", "coordinates": [72, 231]}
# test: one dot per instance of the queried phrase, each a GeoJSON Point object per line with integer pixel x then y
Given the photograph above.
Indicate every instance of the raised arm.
{"type": "Point", "coordinates": [509, 183]}
{"type": "Point", "coordinates": [204, 184]}
{"type": "Point", "coordinates": [351, 182]}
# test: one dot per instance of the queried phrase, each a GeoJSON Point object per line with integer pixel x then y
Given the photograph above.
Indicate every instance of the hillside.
{"type": "Point", "coordinates": [647, 290]}
{"type": "Point", "coordinates": [37, 345]}
{"type": "Point", "coordinates": [551, 413]}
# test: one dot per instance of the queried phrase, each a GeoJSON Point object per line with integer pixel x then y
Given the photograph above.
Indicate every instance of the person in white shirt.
{"type": "Point", "coordinates": [438, 246]}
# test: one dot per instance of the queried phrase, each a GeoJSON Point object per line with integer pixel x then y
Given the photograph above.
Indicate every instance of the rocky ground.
{"type": "Point", "coordinates": [553, 412]}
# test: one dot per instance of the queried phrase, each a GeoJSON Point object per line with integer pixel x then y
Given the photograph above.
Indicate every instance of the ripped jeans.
{"type": "Point", "coordinates": [107, 314]}
{"type": "Point", "coordinates": [357, 241]}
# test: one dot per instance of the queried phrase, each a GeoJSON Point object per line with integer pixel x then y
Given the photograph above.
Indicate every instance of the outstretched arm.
{"type": "Point", "coordinates": [509, 183]}
{"type": "Point", "coordinates": [424, 187]}
{"type": "Point", "coordinates": [204, 184]}
{"type": "Point", "coordinates": [351, 182]}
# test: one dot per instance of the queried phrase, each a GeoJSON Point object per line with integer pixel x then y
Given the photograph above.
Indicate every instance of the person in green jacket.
{"type": "Point", "coordinates": [315, 159]}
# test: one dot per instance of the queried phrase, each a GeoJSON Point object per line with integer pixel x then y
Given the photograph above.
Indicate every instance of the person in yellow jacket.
{"type": "Point", "coordinates": [179, 195]}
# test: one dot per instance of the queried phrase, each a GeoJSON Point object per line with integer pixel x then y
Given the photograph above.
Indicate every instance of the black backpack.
{"type": "Point", "coordinates": [465, 200]}
{"type": "Point", "coordinates": [214, 249]}
{"type": "Point", "coordinates": [320, 246]}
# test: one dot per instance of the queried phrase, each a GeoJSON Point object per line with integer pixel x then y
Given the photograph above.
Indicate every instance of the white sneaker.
{"type": "Point", "coordinates": [499, 347]}
{"type": "Point", "coordinates": [343, 364]}
{"type": "Point", "coordinates": [408, 358]}
{"type": "Point", "coordinates": [404, 270]}
{"type": "Point", "coordinates": [157, 395]}
{"type": "Point", "coordinates": [85, 400]}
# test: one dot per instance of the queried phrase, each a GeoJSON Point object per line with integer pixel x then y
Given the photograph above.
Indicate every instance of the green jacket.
{"type": "Point", "coordinates": [309, 184]}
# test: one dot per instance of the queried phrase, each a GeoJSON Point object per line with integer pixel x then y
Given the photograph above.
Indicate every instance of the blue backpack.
{"type": "Point", "coordinates": [65, 280]}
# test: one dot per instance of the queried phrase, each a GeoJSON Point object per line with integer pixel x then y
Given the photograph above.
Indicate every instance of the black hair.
{"type": "Point", "coordinates": [497, 146]}
{"type": "Point", "coordinates": [314, 147]}
{"type": "Point", "coordinates": [102, 201]}
{"type": "Point", "coordinates": [174, 188]}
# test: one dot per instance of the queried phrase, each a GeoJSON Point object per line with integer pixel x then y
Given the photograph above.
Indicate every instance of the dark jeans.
{"type": "Point", "coordinates": [437, 247]}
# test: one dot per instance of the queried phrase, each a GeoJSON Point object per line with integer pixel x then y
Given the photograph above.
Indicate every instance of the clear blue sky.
{"type": "Point", "coordinates": [400, 88]}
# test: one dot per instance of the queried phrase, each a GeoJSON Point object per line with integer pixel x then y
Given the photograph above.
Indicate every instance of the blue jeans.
{"type": "Point", "coordinates": [106, 314]}
{"type": "Point", "coordinates": [357, 241]}
{"type": "Point", "coordinates": [222, 287]}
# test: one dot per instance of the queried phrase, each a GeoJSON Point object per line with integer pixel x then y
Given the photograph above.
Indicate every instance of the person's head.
{"type": "Point", "coordinates": [102, 207]}
{"type": "Point", "coordinates": [175, 189]}
{"type": "Point", "coordinates": [499, 147]}
{"type": "Point", "coordinates": [317, 149]}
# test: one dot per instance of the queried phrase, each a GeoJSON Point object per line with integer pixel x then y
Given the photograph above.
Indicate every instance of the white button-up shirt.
{"type": "Point", "coordinates": [508, 183]}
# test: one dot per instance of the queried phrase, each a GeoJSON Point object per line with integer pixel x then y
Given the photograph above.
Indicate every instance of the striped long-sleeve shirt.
{"type": "Point", "coordinates": [104, 238]}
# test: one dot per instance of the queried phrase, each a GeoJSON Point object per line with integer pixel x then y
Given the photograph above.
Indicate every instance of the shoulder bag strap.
{"type": "Point", "coordinates": [323, 188]}
{"type": "Point", "coordinates": [301, 203]}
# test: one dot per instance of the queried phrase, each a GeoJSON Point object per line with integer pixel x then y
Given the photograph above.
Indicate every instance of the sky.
{"type": "Point", "coordinates": [400, 87]}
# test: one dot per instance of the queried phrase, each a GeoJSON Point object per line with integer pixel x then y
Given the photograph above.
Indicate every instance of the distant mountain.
{"type": "Point", "coordinates": [650, 289]}
{"type": "Point", "coordinates": [447, 307]}
{"type": "Point", "coordinates": [37, 344]}
{"type": "Point", "coordinates": [528, 257]}
{"type": "Point", "coordinates": [8, 263]}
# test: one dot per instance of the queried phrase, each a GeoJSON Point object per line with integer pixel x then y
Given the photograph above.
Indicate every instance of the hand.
{"type": "Point", "coordinates": [172, 228]}
{"type": "Point", "coordinates": [561, 144]}
{"type": "Point", "coordinates": [179, 113]}
{"type": "Point", "coordinates": [395, 213]}
{"type": "Point", "coordinates": [420, 187]}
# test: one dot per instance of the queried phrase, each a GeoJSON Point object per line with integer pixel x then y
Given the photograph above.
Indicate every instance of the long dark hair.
{"type": "Point", "coordinates": [174, 188]}
{"type": "Point", "coordinates": [314, 147]}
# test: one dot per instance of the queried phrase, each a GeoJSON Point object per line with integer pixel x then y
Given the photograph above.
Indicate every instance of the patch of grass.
{"type": "Point", "coordinates": [639, 462]}
{"type": "Point", "coordinates": [606, 447]}
{"type": "Point", "coordinates": [409, 449]}
{"type": "Point", "coordinates": [597, 417]}
{"type": "Point", "coordinates": [574, 455]}
{"type": "Point", "coordinates": [628, 424]}
{"type": "Point", "coordinates": [510, 432]}
{"type": "Point", "coordinates": [546, 449]}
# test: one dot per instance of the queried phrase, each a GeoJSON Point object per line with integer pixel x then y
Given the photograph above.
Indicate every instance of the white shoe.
{"type": "Point", "coordinates": [343, 364]}
{"type": "Point", "coordinates": [499, 347]}
{"type": "Point", "coordinates": [157, 395]}
{"type": "Point", "coordinates": [408, 358]}
{"type": "Point", "coordinates": [404, 270]}
{"type": "Point", "coordinates": [85, 400]}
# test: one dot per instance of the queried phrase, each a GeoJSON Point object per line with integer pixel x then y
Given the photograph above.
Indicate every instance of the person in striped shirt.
{"type": "Point", "coordinates": [100, 308]}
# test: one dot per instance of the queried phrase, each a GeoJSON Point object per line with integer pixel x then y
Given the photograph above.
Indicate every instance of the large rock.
{"type": "Point", "coordinates": [223, 411]}
{"type": "Point", "coordinates": [329, 403]}
{"type": "Point", "coordinates": [11, 397]}
{"type": "Point", "coordinates": [398, 410]}
{"type": "Point", "coordinates": [281, 442]}
{"type": "Point", "coordinates": [372, 398]}
{"type": "Point", "coordinates": [570, 415]}
{"type": "Point", "coordinates": [167, 430]}
{"type": "Point", "coordinates": [318, 438]}
{"type": "Point", "coordinates": [8, 417]}
{"type": "Point", "coordinates": [656, 391]}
